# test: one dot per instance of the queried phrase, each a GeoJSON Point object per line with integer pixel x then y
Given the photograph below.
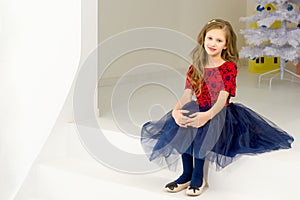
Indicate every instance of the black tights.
{"type": "Point", "coordinates": [193, 173]}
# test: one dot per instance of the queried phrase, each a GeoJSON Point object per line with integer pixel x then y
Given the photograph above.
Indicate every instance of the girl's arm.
{"type": "Point", "coordinates": [199, 119]}
{"type": "Point", "coordinates": [177, 113]}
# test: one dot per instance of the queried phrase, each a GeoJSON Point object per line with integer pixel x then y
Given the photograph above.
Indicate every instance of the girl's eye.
{"type": "Point", "coordinates": [219, 40]}
{"type": "Point", "coordinates": [210, 38]}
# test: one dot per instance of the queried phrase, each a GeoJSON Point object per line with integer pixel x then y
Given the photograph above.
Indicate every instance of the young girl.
{"type": "Point", "coordinates": [210, 128]}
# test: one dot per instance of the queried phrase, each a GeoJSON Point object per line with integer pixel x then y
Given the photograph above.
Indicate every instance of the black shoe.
{"type": "Point", "coordinates": [175, 187]}
{"type": "Point", "coordinates": [195, 191]}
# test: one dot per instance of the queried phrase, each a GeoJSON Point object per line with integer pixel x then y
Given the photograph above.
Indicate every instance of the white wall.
{"type": "Point", "coordinates": [186, 16]}
{"type": "Point", "coordinates": [39, 55]}
{"type": "Point", "coordinates": [55, 146]}
{"type": "Point", "coordinates": [251, 7]}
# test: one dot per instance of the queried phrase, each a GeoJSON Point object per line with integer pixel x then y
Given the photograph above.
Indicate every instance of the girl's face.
{"type": "Point", "coordinates": [215, 42]}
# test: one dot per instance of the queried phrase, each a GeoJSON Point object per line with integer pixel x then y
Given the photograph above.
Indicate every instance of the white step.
{"type": "Point", "coordinates": [72, 179]}
{"type": "Point", "coordinates": [78, 176]}
{"type": "Point", "coordinates": [75, 179]}
{"type": "Point", "coordinates": [271, 175]}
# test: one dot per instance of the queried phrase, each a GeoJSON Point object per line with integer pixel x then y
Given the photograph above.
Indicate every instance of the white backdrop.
{"type": "Point", "coordinates": [39, 56]}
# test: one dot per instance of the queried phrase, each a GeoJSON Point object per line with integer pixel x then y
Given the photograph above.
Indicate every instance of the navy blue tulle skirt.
{"type": "Point", "coordinates": [236, 130]}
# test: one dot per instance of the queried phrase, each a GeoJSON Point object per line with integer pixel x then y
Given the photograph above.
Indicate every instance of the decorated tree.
{"type": "Point", "coordinates": [274, 32]}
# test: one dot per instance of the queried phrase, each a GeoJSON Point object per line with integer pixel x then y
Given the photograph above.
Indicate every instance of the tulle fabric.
{"type": "Point", "coordinates": [235, 131]}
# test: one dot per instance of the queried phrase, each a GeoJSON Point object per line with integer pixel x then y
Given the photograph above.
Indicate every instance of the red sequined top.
{"type": "Point", "coordinates": [215, 80]}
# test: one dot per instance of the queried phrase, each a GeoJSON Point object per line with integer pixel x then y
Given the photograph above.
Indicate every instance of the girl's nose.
{"type": "Point", "coordinates": [213, 43]}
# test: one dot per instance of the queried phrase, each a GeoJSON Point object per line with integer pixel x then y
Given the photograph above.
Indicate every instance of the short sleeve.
{"type": "Point", "coordinates": [229, 74]}
{"type": "Point", "coordinates": [188, 84]}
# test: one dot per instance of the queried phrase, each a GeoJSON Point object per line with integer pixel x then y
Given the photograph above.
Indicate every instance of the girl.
{"type": "Point", "coordinates": [210, 128]}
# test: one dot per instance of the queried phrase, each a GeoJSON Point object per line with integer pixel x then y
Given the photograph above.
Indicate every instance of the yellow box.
{"type": "Point", "coordinates": [263, 64]}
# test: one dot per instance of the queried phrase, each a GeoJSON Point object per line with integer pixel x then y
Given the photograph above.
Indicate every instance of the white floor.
{"type": "Point", "coordinates": [77, 174]}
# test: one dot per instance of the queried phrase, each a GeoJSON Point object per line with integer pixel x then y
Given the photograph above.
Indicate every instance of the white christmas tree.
{"type": "Point", "coordinates": [265, 40]}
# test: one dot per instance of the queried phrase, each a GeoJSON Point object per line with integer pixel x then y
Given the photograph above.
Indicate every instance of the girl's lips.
{"type": "Point", "coordinates": [211, 49]}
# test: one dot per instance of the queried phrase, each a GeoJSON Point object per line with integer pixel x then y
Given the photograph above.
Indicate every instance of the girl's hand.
{"type": "Point", "coordinates": [198, 119]}
{"type": "Point", "coordinates": [180, 118]}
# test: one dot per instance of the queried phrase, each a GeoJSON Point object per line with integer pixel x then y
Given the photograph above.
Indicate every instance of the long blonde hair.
{"type": "Point", "coordinates": [199, 55]}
